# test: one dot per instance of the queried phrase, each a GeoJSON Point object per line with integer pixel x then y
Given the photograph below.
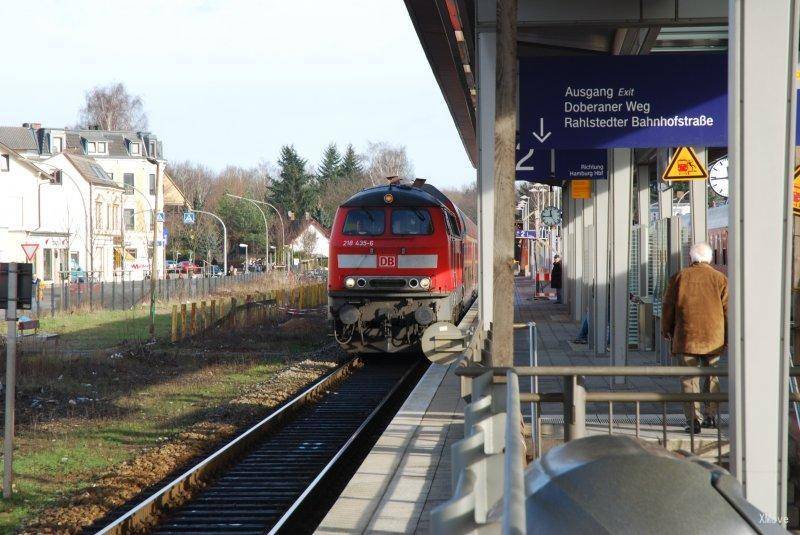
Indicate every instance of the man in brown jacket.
{"type": "Point", "coordinates": [694, 318]}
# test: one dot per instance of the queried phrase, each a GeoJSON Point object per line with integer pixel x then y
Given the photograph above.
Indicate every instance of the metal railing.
{"type": "Point", "coordinates": [487, 464]}
{"type": "Point", "coordinates": [574, 396]}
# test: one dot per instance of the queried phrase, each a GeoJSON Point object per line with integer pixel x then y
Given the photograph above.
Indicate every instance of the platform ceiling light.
{"type": "Point", "coordinates": [388, 198]}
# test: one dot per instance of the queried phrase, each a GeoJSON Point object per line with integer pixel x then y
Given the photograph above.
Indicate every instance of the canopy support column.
{"type": "Point", "coordinates": [621, 178]}
{"type": "Point", "coordinates": [761, 114]}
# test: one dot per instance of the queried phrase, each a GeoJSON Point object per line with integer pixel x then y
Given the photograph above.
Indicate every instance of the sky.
{"type": "Point", "coordinates": [229, 82]}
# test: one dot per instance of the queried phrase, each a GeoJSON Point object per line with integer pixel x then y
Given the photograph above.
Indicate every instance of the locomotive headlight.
{"type": "Point", "coordinates": [425, 283]}
{"type": "Point", "coordinates": [350, 282]}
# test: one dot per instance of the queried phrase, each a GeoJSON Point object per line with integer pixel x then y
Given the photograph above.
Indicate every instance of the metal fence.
{"type": "Point", "coordinates": [68, 296]}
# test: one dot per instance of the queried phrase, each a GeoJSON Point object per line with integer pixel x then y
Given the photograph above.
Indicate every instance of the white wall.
{"type": "Point", "coordinates": [320, 246]}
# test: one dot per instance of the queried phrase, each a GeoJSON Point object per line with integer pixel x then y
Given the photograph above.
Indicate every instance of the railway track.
{"type": "Point", "coordinates": [259, 482]}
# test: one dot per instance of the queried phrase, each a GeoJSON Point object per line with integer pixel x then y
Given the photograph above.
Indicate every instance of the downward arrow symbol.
{"type": "Point", "coordinates": [541, 137]}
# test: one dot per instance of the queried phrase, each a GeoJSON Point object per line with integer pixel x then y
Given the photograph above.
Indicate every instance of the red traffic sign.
{"type": "Point", "coordinates": [30, 250]}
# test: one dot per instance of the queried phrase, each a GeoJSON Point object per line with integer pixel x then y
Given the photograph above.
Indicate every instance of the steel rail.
{"type": "Point", "coordinates": [139, 517]}
{"type": "Point", "coordinates": [342, 451]}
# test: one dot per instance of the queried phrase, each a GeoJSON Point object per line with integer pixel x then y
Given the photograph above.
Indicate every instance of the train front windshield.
{"type": "Point", "coordinates": [364, 222]}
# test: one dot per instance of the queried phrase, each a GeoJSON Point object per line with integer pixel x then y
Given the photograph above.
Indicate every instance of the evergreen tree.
{"type": "Point", "coordinates": [294, 189]}
{"type": "Point", "coordinates": [330, 168]}
{"type": "Point", "coordinates": [351, 164]}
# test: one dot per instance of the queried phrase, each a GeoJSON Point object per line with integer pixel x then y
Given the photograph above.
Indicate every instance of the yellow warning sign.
{"type": "Point", "coordinates": [685, 165]}
{"type": "Point", "coordinates": [796, 191]}
{"type": "Point", "coordinates": [581, 189]}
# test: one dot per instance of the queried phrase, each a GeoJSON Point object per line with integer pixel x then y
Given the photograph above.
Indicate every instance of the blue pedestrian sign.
{"type": "Point", "coordinates": [600, 102]}
{"type": "Point", "coordinates": [188, 218]}
{"type": "Point", "coordinates": [160, 217]}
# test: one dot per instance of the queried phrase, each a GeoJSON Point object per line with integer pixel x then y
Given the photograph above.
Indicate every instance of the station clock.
{"type": "Point", "coordinates": [718, 177]}
{"type": "Point", "coordinates": [551, 216]}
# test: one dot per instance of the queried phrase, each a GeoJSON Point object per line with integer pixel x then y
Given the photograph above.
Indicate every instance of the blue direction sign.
{"type": "Point", "coordinates": [526, 234]}
{"type": "Point", "coordinates": [543, 165]}
{"type": "Point", "coordinates": [188, 218]}
{"type": "Point", "coordinates": [593, 102]}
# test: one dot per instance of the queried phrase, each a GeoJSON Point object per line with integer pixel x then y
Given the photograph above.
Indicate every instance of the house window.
{"type": "Point", "coordinates": [56, 145]}
{"type": "Point", "coordinates": [130, 218]}
{"type": "Point", "coordinates": [152, 184]}
{"type": "Point", "coordinates": [153, 149]}
{"type": "Point", "coordinates": [98, 215]}
{"type": "Point", "coordinates": [134, 148]}
{"type": "Point", "coordinates": [91, 147]}
{"type": "Point", "coordinates": [109, 221]}
{"type": "Point", "coordinates": [115, 217]}
{"type": "Point", "coordinates": [101, 147]}
{"type": "Point", "coordinates": [4, 162]}
{"type": "Point", "coordinates": [128, 180]}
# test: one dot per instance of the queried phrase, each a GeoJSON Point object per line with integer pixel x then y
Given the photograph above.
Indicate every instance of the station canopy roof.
{"type": "Point", "coordinates": [446, 30]}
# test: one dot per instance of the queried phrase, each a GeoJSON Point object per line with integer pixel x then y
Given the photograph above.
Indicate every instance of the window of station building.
{"type": "Point", "coordinates": [152, 184]}
{"type": "Point", "coordinates": [56, 145]}
{"type": "Point", "coordinates": [130, 218]}
{"type": "Point", "coordinates": [134, 148]}
{"type": "Point", "coordinates": [364, 222]}
{"type": "Point", "coordinates": [4, 162]}
{"type": "Point", "coordinates": [127, 179]}
{"type": "Point", "coordinates": [411, 222]}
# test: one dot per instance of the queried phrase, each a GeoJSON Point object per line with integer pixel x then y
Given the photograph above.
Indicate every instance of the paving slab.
{"type": "Point", "coordinates": [408, 470]}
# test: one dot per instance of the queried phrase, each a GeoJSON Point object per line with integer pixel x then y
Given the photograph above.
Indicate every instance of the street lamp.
{"type": "Point", "coordinates": [224, 238]}
{"type": "Point", "coordinates": [246, 260]}
{"type": "Point", "coordinates": [88, 231]}
{"type": "Point", "coordinates": [280, 218]}
{"type": "Point", "coordinates": [266, 226]}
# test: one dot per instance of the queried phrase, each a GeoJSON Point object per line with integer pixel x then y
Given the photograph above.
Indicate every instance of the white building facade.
{"type": "Point", "coordinates": [99, 216]}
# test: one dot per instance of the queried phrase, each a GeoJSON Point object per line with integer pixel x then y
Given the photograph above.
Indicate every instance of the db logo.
{"type": "Point", "coordinates": [387, 261]}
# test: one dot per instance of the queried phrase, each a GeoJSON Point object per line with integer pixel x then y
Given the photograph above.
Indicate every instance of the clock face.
{"type": "Point", "coordinates": [718, 177]}
{"type": "Point", "coordinates": [551, 216]}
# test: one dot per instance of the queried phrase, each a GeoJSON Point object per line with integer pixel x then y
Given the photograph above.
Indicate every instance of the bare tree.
{"type": "Point", "coordinates": [466, 198]}
{"type": "Point", "coordinates": [308, 242]}
{"type": "Point", "coordinates": [387, 160]}
{"type": "Point", "coordinates": [111, 107]}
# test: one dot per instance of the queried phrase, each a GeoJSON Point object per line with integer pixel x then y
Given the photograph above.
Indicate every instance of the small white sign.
{"type": "Point", "coordinates": [188, 218]}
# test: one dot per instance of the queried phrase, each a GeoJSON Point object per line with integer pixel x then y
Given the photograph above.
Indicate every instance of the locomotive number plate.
{"type": "Point", "coordinates": [385, 261]}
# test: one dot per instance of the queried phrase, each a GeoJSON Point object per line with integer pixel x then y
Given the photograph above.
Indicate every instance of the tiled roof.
{"type": "Point", "coordinates": [91, 171]}
{"type": "Point", "coordinates": [297, 228]}
{"type": "Point", "coordinates": [18, 138]}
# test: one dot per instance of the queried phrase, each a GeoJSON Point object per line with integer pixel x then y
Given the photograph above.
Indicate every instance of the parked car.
{"type": "Point", "coordinates": [189, 267]}
{"type": "Point", "coordinates": [215, 271]}
{"type": "Point", "coordinates": [172, 265]}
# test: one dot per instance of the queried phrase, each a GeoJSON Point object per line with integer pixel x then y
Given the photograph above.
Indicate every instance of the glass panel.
{"type": "Point", "coordinates": [364, 222]}
{"type": "Point", "coordinates": [411, 222]}
{"type": "Point", "coordinates": [129, 218]}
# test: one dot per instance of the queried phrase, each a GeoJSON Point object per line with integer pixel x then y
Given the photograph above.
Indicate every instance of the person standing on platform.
{"type": "Point", "coordinates": [556, 277]}
{"type": "Point", "coordinates": [694, 319]}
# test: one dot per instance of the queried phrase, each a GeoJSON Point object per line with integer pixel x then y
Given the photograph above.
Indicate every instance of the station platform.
{"type": "Point", "coordinates": [407, 473]}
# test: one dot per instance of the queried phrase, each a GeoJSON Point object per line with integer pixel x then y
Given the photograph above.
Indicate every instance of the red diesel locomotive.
{"type": "Point", "coordinates": [402, 257]}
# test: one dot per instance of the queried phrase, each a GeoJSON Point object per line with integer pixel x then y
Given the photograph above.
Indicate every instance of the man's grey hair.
{"type": "Point", "coordinates": [701, 252]}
